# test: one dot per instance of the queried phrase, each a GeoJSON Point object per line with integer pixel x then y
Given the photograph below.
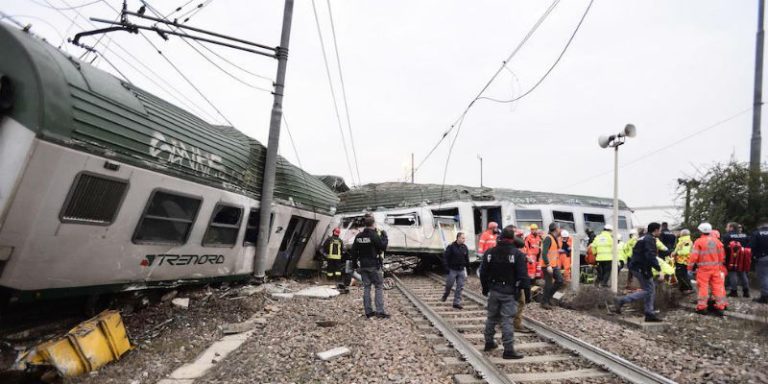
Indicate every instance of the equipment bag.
{"type": "Point", "coordinates": [741, 257]}
{"type": "Point", "coordinates": [591, 258]}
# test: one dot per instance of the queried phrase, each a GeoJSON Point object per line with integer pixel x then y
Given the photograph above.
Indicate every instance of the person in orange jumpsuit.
{"type": "Point", "coordinates": [565, 254]}
{"type": "Point", "coordinates": [488, 238]}
{"type": "Point", "coordinates": [532, 250]}
{"type": "Point", "coordinates": [708, 254]}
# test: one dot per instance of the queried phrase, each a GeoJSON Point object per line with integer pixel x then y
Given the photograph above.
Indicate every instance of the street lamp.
{"type": "Point", "coordinates": [615, 141]}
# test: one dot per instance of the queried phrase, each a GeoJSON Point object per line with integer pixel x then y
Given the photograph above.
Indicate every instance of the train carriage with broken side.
{"type": "Point", "coordinates": [106, 187]}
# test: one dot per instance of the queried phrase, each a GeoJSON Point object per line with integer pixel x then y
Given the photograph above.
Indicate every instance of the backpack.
{"type": "Point", "coordinates": [741, 257]}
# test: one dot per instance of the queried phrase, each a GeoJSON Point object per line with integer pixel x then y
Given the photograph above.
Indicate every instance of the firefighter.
{"type": "Point", "coordinates": [760, 253]}
{"type": "Point", "coordinates": [602, 246]}
{"type": "Point", "coordinates": [532, 248]}
{"type": "Point", "coordinates": [366, 252]}
{"type": "Point", "coordinates": [332, 249]}
{"type": "Point", "coordinates": [456, 261]}
{"type": "Point", "coordinates": [708, 256]}
{"type": "Point", "coordinates": [503, 274]}
{"type": "Point", "coordinates": [680, 255]}
{"type": "Point", "coordinates": [737, 259]}
{"type": "Point", "coordinates": [550, 253]}
{"type": "Point", "coordinates": [644, 260]}
{"type": "Point", "coordinates": [488, 238]}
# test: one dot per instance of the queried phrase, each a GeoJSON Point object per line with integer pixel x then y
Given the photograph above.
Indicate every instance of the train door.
{"type": "Point", "coordinates": [484, 215]}
{"type": "Point", "coordinates": [294, 241]}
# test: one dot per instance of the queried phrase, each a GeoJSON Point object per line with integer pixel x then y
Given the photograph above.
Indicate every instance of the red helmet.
{"type": "Point", "coordinates": [336, 231]}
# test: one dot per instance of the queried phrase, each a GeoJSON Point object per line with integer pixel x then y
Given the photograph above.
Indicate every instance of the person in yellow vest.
{"type": "Point", "coordinates": [550, 253]}
{"type": "Point", "coordinates": [680, 255]}
{"type": "Point", "coordinates": [603, 248]}
{"type": "Point", "coordinates": [332, 250]}
{"type": "Point", "coordinates": [626, 252]}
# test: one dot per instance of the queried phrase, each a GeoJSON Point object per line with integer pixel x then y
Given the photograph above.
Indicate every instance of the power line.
{"type": "Point", "coordinates": [233, 64]}
{"type": "Point", "coordinates": [158, 14]}
{"type": "Point", "coordinates": [333, 93]}
{"type": "Point", "coordinates": [344, 92]}
{"type": "Point", "coordinates": [170, 62]}
{"type": "Point", "coordinates": [192, 12]}
{"type": "Point", "coordinates": [191, 106]}
{"type": "Point", "coordinates": [503, 65]}
{"type": "Point", "coordinates": [660, 149]}
{"type": "Point", "coordinates": [562, 53]}
{"type": "Point", "coordinates": [67, 8]}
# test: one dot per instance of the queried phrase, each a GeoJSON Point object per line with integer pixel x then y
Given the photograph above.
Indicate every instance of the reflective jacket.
{"type": "Point", "coordinates": [550, 252]}
{"type": "Point", "coordinates": [683, 249]}
{"type": "Point", "coordinates": [625, 252]}
{"type": "Point", "coordinates": [661, 247]}
{"type": "Point", "coordinates": [708, 253]}
{"type": "Point", "coordinates": [333, 248]}
{"type": "Point", "coordinates": [603, 246]}
{"type": "Point", "coordinates": [533, 245]}
{"type": "Point", "coordinates": [487, 241]}
{"type": "Point", "coordinates": [666, 268]}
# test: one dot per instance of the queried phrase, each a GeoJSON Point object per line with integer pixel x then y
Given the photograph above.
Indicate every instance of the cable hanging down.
{"type": "Point", "coordinates": [525, 39]}
{"type": "Point", "coordinates": [333, 94]}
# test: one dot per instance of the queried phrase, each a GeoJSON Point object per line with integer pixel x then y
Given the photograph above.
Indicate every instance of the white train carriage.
{"type": "Point", "coordinates": [105, 187]}
{"type": "Point", "coordinates": [421, 219]}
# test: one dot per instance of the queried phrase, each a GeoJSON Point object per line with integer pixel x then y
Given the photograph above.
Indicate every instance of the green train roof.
{"type": "Point", "coordinates": [371, 197]}
{"type": "Point", "coordinates": [72, 103]}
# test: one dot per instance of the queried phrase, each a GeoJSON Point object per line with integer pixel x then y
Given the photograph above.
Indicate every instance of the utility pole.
{"type": "Point", "coordinates": [412, 170]}
{"type": "Point", "coordinates": [754, 153]}
{"type": "Point", "coordinates": [270, 166]}
{"type": "Point", "coordinates": [688, 184]}
{"type": "Point", "coordinates": [481, 170]}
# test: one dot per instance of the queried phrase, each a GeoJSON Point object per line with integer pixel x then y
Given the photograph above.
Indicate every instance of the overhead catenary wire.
{"type": "Point", "coordinates": [192, 12]}
{"type": "Point", "coordinates": [67, 8]}
{"type": "Point", "coordinates": [514, 52]}
{"type": "Point", "coordinates": [552, 67]}
{"type": "Point", "coordinates": [333, 93]}
{"type": "Point", "coordinates": [189, 104]}
{"type": "Point", "coordinates": [208, 59]}
{"type": "Point", "coordinates": [660, 149]}
{"type": "Point", "coordinates": [344, 92]}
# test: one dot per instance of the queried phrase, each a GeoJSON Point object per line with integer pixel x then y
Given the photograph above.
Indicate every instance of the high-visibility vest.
{"type": "Point", "coordinates": [707, 253]}
{"type": "Point", "coordinates": [487, 241]}
{"type": "Point", "coordinates": [626, 250]}
{"type": "Point", "coordinates": [666, 268]}
{"type": "Point", "coordinates": [683, 249]}
{"type": "Point", "coordinates": [553, 253]}
{"type": "Point", "coordinates": [603, 246]}
{"type": "Point", "coordinates": [334, 249]}
{"type": "Point", "coordinates": [533, 245]}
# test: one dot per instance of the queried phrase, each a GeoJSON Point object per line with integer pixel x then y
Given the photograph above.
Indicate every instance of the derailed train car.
{"type": "Point", "coordinates": [106, 187]}
{"type": "Point", "coordinates": [421, 219]}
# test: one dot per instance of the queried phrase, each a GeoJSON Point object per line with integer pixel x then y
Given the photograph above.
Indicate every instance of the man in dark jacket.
{"type": "Point", "coordinates": [760, 253]}
{"type": "Point", "coordinates": [456, 261]}
{"type": "Point", "coordinates": [367, 255]}
{"type": "Point", "coordinates": [503, 273]}
{"type": "Point", "coordinates": [644, 259]}
{"type": "Point", "coordinates": [668, 239]}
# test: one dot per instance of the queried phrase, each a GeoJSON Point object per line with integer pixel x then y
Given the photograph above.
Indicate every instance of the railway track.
{"type": "Point", "coordinates": [550, 355]}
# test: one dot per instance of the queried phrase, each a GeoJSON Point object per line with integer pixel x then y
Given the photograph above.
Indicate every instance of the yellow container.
{"type": "Point", "coordinates": [87, 347]}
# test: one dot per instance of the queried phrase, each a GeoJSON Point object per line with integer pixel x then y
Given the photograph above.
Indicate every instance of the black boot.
{"type": "Point", "coordinates": [718, 312]}
{"type": "Point", "coordinates": [511, 355]}
{"type": "Point", "coordinates": [746, 293]}
{"type": "Point", "coordinates": [733, 293]}
{"type": "Point", "coordinates": [652, 319]}
{"type": "Point", "coordinates": [490, 346]}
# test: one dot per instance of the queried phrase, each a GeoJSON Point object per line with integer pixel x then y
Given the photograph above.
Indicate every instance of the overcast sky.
{"type": "Point", "coordinates": [672, 68]}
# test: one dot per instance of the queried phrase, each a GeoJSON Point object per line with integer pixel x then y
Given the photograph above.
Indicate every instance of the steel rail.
{"type": "Point", "coordinates": [614, 363]}
{"type": "Point", "coordinates": [482, 365]}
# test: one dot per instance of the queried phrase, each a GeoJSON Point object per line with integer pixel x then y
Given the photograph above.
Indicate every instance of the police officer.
{"type": "Point", "coordinates": [735, 241]}
{"type": "Point", "coordinates": [760, 253]}
{"type": "Point", "coordinates": [367, 254]}
{"type": "Point", "coordinates": [503, 273]}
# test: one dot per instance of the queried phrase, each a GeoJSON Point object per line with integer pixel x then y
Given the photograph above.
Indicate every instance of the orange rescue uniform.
{"type": "Point", "coordinates": [565, 259]}
{"type": "Point", "coordinates": [487, 241]}
{"type": "Point", "coordinates": [709, 254]}
{"type": "Point", "coordinates": [532, 251]}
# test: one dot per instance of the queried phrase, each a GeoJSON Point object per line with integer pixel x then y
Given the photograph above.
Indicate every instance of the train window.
{"type": "Point", "coordinates": [407, 220]}
{"type": "Point", "coordinates": [167, 219]}
{"type": "Point", "coordinates": [623, 222]}
{"type": "Point", "coordinates": [526, 217]}
{"type": "Point", "coordinates": [224, 227]}
{"type": "Point", "coordinates": [93, 199]}
{"type": "Point", "coordinates": [594, 222]}
{"type": "Point", "coordinates": [252, 229]}
{"type": "Point", "coordinates": [565, 220]}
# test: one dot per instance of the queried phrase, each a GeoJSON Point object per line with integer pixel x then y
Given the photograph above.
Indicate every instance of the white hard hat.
{"type": "Point", "coordinates": [564, 233]}
{"type": "Point", "coordinates": [608, 227]}
{"type": "Point", "coordinates": [705, 227]}
{"type": "Point", "coordinates": [633, 231]}
{"type": "Point", "coordinates": [618, 236]}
